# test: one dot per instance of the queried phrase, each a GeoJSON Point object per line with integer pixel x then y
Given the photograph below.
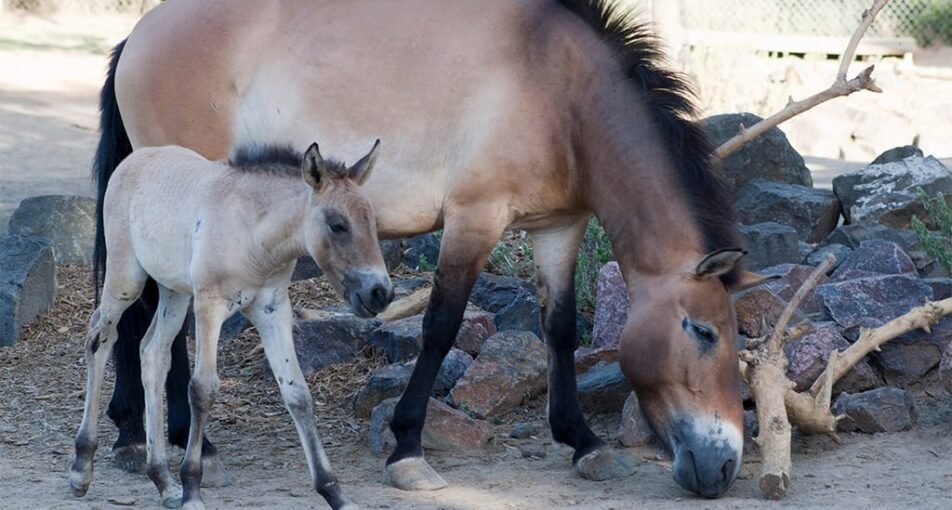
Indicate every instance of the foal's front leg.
{"type": "Point", "coordinates": [271, 314]}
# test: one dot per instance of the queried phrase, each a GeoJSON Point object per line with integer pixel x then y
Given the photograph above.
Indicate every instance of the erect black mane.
{"type": "Point", "coordinates": [274, 159]}
{"type": "Point", "coordinates": [670, 100]}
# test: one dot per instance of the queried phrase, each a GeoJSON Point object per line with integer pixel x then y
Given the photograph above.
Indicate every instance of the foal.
{"type": "Point", "coordinates": [229, 235]}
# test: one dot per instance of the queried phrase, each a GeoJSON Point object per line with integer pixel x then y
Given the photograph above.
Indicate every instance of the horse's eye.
{"type": "Point", "coordinates": [337, 227]}
{"type": "Point", "coordinates": [702, 332]}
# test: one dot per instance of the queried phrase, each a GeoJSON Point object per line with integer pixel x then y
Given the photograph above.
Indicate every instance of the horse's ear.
{"type": "Point", "coordinates": [718, 262]}
{"type": "Point", "coordinates": [747, 280]}
{"type": "Point", "coordinates": [313, 167]}
{"type": "Point", "coordinates": [361, 169]}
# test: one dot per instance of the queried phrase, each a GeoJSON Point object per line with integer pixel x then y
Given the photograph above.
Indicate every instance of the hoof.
{"type": "Point", "coordinates": [172, 502]}
{"type": "Point", "coordinates": [130, 458]}
{"type": "Point", "coordinates": [79, 483]}
{"type": "Point", "coordinates": [194, 505]}
{"type": "Point", "coordinates": [214, 473]}
{"type": "Point", "coordinates": [348, 506]}
{"type": "Point", "coordinates": [604, 464]}
{"type": "Point", "coordinates": [414, 474]}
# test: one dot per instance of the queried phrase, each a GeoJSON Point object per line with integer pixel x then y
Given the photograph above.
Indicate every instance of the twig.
{"type": "Point", "coordinates": [776, 340]}
{"type": "Point", "coordinates": [841, 87]}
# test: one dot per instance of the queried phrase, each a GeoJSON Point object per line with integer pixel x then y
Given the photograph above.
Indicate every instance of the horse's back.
{"type": "Point", "coordinates": [458, 91]}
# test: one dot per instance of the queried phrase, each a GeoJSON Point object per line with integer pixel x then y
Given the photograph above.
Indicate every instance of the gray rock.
{"type": "Point", "coordinates": [817, 256]}
{"type": "Point", "coordinates": [770, 244]}
{"type": "Point", "coordinates": [888, 193]}
{"type": "Point", "coordinates": [875, 298]}
{"type": "Point", "coordinates": [809, 354]}
{"type": "Point", "coordinates": [769, 157]}
{"type": "Point", "coordinates": [454, 366]}
{"type": "Point", "coordinates": [392, 251]}
{"type": "Point", "coordinates": [403, 287]}
{"type": "Point", "coordinates": [878, 410]}
{"type": "Point", "coordinates": [323, 342]}
{"type": "Point", "coordinates": [852, 235]}
{"type": "Point", "coordinates": [941, 287]}
{"type": "Point", "coordinates": [383, 383]}
{"type": "Point", "coordinates": [907, 359]}
{"type": "Point", "coordinates": [511, 367]}
{"type": "Point", "coordinates": [751, 429]}
{"type": "Point", "coordinates": [69, 221]}
{"type": "Point", "coordinates": [512, 300]}
{"type": "Point", "coordinates": [945, 369]}
{"type": "Point", "coordinates": [791, 279]}
{"type": "Point", "coordinates": [524, 430]}
{"type": "Point", "coordinates": [897, 154]}
{"type": "Point", "coordinates": [532, 451]}
{"type": "Point", "coordinates": [878, 257]}
{"type": "Point", "coordinates": [603, 388]}
{"type": "Point", "coordinates": [399, 340]}
{"type": "Point", "coordinates": [421, 252]}
{"type": "Point", "coordinates": [445, 428]}
{"type": "Point", "coordinates": [633, 429]}
{"type": "Point", "coordinates": [27, 283]}
{"type": "Point", "coordinates": [813, 213]}
{"type": "Point", "coordinates": [611, 306]}
{"type": "Point", "coordinates": [305, 269]}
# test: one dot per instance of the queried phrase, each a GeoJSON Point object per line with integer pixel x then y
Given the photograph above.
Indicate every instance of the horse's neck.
{"type": "Point", "coordinates": [281, 210]}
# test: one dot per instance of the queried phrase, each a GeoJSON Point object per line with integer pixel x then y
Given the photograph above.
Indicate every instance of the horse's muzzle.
{"type": "Point", "coordinates": [707, 455]}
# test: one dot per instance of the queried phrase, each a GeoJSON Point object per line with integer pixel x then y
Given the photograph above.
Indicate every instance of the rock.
{"type": "Point", "coordinates": [812, 212]}
{"type": "Point", "coordinates": [878, 410]}
{"type": "Point", "coordinates": [758, 309]}
{"type": "Point", "coordinates": [791, 279]}
{"type": "Point", "coordinates": [751, 429]}
{"type": "Point", "coordinates": [905, 360]}
{"type": "Point", "coordinates": [603, 388]}
{"type": "Point", "coordinates": [852, 236]}
{"type": "Point", "coordinates": [878, 298]}
{"type": "Point", "coordinates": [421, 253]}
{"type": "Point", "coordinates": [633, 429]}
{"type": "Point", "coordinates": [532, 451]}
{"type": "Point", "coordinates": [454, 366]}
{"type": "Point", "coordinates": [809, 354]}
{"type": "Point", "coordinates": [770, 244]}
{"type": "Point", "coordinates": [68, 221]}
{"type": "Point", "coordinates": [401, 339]}
{"type": "Point", "coordinates": [897, 154]}
{"type": "Point", "coordinates": [445, 428]}
{"type": "Point", "coordinates": [305, 269]}
{"type": "Point", "coordinates": [403, 287]}
{"type": "Point", "coordinates": [323, 342]}
{"type": "Point", "coordinates": [611, 306]}
{"type": "Point", "coordinates": [927, 266]}
{"type": "Point", "coordinates": [769, 157]}
{"type": "Point", "coordinates": [27, 283]}
{"type": "Point", "coordinates": [512, 300]}
{"type": "Point", "coordinates": [817, 256]}
{"type": "Point", "coordinates": [878, 257]}
{"type": "Point", "coordinates": [805, 249]}
{"type": "Point", "coordinates": [383, 383]}
{"type": "Point", "coordinates": [524, 430]}
{"type": "Point", "coordinates": [945, 369]}
{"type": "Point", "coordinates": [511, 366]}
{"type": "Point", "coordinates": [888, 193]}
{"type": "Point", "coordinates": [392, 251]}
{"type": "Point", "coordinates": [941, 287]}
{"type": "Point", "coordinates": [587, 357]}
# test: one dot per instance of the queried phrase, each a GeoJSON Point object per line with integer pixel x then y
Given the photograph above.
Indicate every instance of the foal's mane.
{"type": "Point", "coordinates": [669, 98]}
{"type": "Point", "coordinates": [275, 159]}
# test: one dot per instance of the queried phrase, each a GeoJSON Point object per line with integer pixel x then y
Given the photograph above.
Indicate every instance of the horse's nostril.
{"type": "Point", "coordinates": [727, 470]}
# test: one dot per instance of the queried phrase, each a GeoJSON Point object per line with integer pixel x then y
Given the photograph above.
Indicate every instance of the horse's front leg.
{"type": "Point", "coordinates": [469, 235]}
{"type": "Point", "coordinates": [271, 314]}
{"type": "Point", "coordinates": [211, 310]}
{"type": "Point", "coordinates": [554, 252]}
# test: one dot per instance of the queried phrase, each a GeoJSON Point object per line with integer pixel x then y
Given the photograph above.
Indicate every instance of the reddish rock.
{"type": "Point", "coordinates": [476, 328]}
{"type": "Point", "coordinates": [587, 357]}
{"type": "Point", "coordinates": [757, 311]}
{"type": "Point", "coordinates": [511, 366]}
{"type": "Point", "coordinates": [445, 429]}
{"type": "Point", "coordinates": [877, 256]}
{"type": "Point", "coordinates": [809, 354]}
{"type": "Point", "coordinates": [881, 298]}
{"type": "Point", "coordinates": [905, 360]}
{"type": "Point", "coordinates": [634, 429]}
{"type": "Point", "coordinates": [879, 410]}
{"type": "Point", "coordinates": [791, 279]}
{"type": "Point", "coordinates": [611, 306]}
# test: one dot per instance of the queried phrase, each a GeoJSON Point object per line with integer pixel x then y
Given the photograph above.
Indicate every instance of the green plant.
{"type": "Point", "coordinates": [595, 252]}
{"type": "Point", "coordinates": [938, 244]}
{"type": "Point", "coordinates": [934, 23]}
{"type": "Point", "coordinates": [512, 256]}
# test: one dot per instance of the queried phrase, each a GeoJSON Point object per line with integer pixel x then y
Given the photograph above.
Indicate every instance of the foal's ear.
{"type": "Point", "coordinates": [361, 169]}
{"type": "Point", "coordinates": [718, 262]}
{"type": "Point", "coordinates": [313, 167]}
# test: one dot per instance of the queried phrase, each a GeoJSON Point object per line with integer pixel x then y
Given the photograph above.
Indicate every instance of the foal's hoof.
{"type": "Point", "coordinates": [214, 473]}
{"type": "Point", "coordinates": [604, 464]}
{"type": "Point", "coordinates": [130, 458]}
{"type": "Point", "coordinates": [414, 474]}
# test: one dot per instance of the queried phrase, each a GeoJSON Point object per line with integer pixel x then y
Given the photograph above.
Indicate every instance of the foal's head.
{"type": "Point", "coordinates": [679, 350]}
{"type": "Point", "coordinates": [341, 231]}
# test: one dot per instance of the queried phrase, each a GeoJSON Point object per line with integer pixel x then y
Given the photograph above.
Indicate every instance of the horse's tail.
{"type": "Point", "coordinates": [113, 147]}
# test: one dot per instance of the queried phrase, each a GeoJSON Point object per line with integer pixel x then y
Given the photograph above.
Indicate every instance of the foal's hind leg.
{"type": "Point", "coordinates": [272, 317]}
{"type": "Point", "coordinates": [554, 252]}
{"type": "Point", "coordinates": [119, 292]}
{"type": "Point", "coordinates": [156, 357]}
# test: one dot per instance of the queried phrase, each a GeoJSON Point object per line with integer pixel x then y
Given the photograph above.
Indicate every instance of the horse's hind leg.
{"type": "Point", "coordinates": [272, 317]}
{"type": "Point", "coordinates": [554, 252]}
{"type": "Point", "coordinates": [155, 354]}
{"type": "Point", "coordinates": [119, 291]}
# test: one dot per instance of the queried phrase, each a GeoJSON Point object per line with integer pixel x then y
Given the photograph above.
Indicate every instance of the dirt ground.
{"type": "Point", "coordinates": [50, 73]}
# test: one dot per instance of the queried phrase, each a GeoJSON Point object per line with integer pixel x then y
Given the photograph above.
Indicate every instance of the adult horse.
{"type": "Point", "coordinates": [530, 114]}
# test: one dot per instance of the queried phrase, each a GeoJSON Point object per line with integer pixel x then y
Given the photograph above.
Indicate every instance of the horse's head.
{"type": "Point", "coordinates": [341, 231]}
{"type": "Point", "coordinates": [679, 350]}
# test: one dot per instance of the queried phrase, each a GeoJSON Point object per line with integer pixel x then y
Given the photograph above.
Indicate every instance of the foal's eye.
{"type": "Point", "coordinates": [337, 227]}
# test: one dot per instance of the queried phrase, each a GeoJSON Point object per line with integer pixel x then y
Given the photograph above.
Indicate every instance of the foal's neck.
{"type": "Point", "coordinates": [278, 230]}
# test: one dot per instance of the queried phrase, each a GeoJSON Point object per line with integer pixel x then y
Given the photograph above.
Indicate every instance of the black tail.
{"type": "Point", "coordinates": [113, 147]}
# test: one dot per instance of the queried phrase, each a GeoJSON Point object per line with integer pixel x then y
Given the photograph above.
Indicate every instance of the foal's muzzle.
{"type": "Point", "coordinates": [369, 292]}
{"type": "Point", "coordinates": [707, 455]}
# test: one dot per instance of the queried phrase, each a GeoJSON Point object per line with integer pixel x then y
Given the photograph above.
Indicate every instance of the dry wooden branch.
{"type": "Point", "coordinates": [840, 87]}
{"type": "Point", "coordinates": [407, 306]}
